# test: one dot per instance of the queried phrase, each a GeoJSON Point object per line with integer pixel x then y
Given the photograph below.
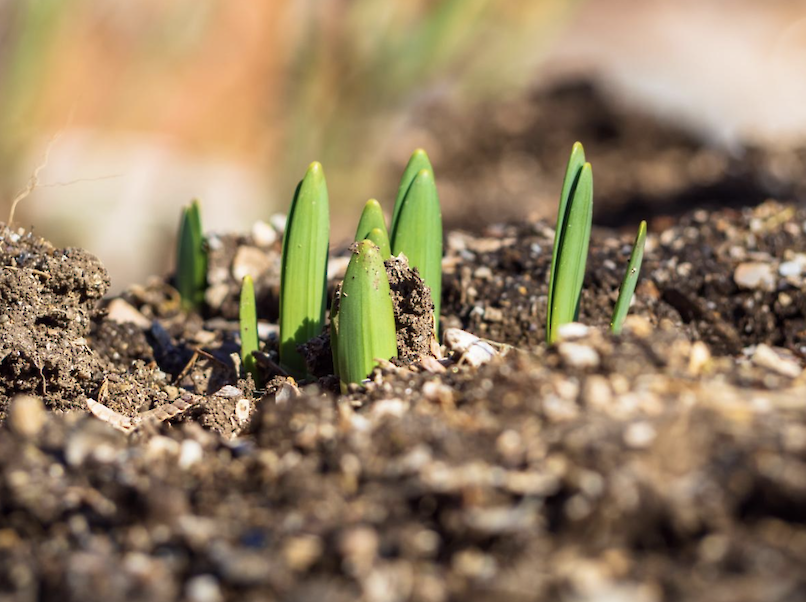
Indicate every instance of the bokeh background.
{"type": "Point", "coordinates": [157, 102]}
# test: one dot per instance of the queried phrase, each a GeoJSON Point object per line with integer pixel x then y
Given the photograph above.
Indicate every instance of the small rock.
{"type": "Point", "coordinates": [638, 325]}
{"type": "Point", "coordinates": [263, 234]}
{"type": "Point", "coordinates": [639, 435]}
{"type": "Point", "coordinates": [278, 221]}
{"type": "Point", "coordinates": [471, 348]}
{"type": "Point", "coordinates": [243, 409]}
{"type": "Point", "coordinates": [249, 261]}
{"type": "Point", "coordinates": [302, 551]}
{"type": "Point", "coordinates": [359, 547]}
{"type": "Point", "coordinates": [572, 330]}
{"type": "Point", "coordinates": [203, 588]}
{"type": "Point", "coordinates": [389, 407]}
{"type": "Point", "coordinates": [700, 356]}
{"type": "Point", "coordinates": [755, 275]}
{"type": "Point", "coordinates": [26, 415]}
{"type": "Point", "coordinates": [578, 355]}
{"type": "Point", "coordinates": [121, 311]}
{"type": "Point", "coordinates": [776, 359]}
{"type": "Point", "coordinates": [215, 295]}
{"type": "Point", "coordinates": [191, 453]}
{"type": "Point", "coordinates": [789, 269]}
{"type": "Point", "coordinates": [509, 446]}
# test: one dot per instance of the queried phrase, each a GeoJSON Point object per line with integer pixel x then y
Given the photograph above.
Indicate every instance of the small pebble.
{"type": "Point", "coordinates": [789, 268]}
{"type": "Point", "coordinates": [639, 435]}
{"type": "Point", "coordinates": [578, 355]}
{"type": "Point", "coordinates": [191, 453]}
{"type": "Point", "coordinates": [26, 415]}
{"type": "Point", "coordinates": [700, 356]}
{"type": "Point", "coordinates": [302, 551]}
{"type": "Point", "coordinates": [263, 234]}
{"type": "Point", "coordinates": [755, 275]}
{"type": "Point", "coordinates": [203, 588]}
{"type": "Point", "coordinates": [572, 330]}
{"type": "Point", "coordinates": [121, 311]}
{"type": "Point", "coordinates": [249, 261]}
{"type": "Point", "coordinates": [776, 359]}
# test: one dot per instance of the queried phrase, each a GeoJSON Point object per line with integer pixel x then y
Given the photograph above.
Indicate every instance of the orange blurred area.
{"type": "Point", "coordinates": [157, 102]}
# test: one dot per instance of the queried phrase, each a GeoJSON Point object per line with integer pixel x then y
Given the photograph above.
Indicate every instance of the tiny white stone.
{"type": "Point", "coordinates": [263, 234]}
{"type": "Point", "coordinates": [190, 454]}
{"type": "Point", "coordinates": [755, 275]}
{"type": "Point", "coordinates": [121, 311]}
{"type": "Point", "coordinates": [789, 268]}
{"type": "Point", "coordinates": [471, 348]}
{"type": "Point", "coordinates": [243, 408]}
{"type": "Point", "coordinates": [572, 330]}
{"type": "Point", "coordinates": [777, 360]}
{"type": "Point", "coordinates": [278, 221]}
{"type": "Point", "coordinates": [389, 407]}
{"type": "Point", "coordinates": [578, 355]}
{"type": "Point", "coordinates": [639, 435]}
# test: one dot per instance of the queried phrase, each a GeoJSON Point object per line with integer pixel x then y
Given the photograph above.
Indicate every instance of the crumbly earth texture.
{"type": "Point", "coordinates": [665, 464]}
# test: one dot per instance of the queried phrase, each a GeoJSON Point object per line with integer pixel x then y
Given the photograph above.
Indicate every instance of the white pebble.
{"type": "Point", "coordinates": [755, 275]}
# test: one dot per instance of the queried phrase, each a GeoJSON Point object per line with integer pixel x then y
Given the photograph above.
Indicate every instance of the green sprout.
{"type": "Point", "coordinates": [303, 276]}
{"type": "Point", "coordinates": [571, 242]}
{"type": "Point", "coordinates": [372, 220]}
{"type": "Point", "coordinates": [366, 321]}
{"type": "Point", "coordinates": [630, 279]}
{"type": "Point", "coordinates": [191, 259]}
{"type": "Point", "coordinates": [248, 324]}
{"type": "Point", "coordinates": [417, 225]}
{"type": "Point", "coordinates": [417, 162]}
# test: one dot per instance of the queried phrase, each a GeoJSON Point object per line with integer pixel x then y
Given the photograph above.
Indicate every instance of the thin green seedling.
{"type": "Point", "coordinates": [372, 219]}
{"type": "Point", "coordinates": [248, 326]}
{"type": "Point", "coordinates": [191, 259]}
{"type": "Point", "coordinates": [417, 162]}
{"type": "Point", "coordinates": [366, 322]}
{"type": "Point", "coordinates": [303, 278]}
{"type": "Point", "coordinates": [630, 280]}
{"type": "Point", "coordinates": [417, 231]}
{"type": "Point", "coordinates": [571, 242]}
{"type": "Point", "coordinates": [381, 240]}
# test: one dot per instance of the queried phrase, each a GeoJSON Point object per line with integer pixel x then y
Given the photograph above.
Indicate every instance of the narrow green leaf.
{"type": "Point", "coordinates": [381, 240]}
{"type": "Point", "coordinates": [303, 279]}
{"type": "Point", "coordinates": [191, 259]}
{"type": "Point", "coordinates": [366, 321]}
{"type": "Point", "coordinates": [417, 162]}
{"type": "Point", "coordinates": [371, 218]}
{"type": "Point", "coordinates": [248, 324]}
{"type": "Point", "coordinates": [630, 280]}
{"type": "Point", "coordinates": [572, 171]}
{"type": "Point", "coordinates": [418, 234]}
{"type": "Point", "coordinates": [571, 242]}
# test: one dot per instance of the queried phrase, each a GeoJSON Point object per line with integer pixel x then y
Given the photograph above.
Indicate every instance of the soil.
{"type": "Point", "coordinates": [668, 463]}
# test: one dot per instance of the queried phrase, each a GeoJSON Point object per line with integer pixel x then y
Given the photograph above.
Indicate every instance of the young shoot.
{"type": "Point", "coordinates": [417, 226]}
{"type": "Point", "coordinates": [191, 259]}
{"type": "Point", "coordinates": [630, 280]}
{"type": "Point", "coordinates": [372, 226]}
{"type": "Point", "coordinates": [248, 324]}
{"type": "Point", "coordinates": [365, 322]}
{"type": "Point", "coordinates": [303, 276]}
{"type": "Point", "coordinates": [571, 241]}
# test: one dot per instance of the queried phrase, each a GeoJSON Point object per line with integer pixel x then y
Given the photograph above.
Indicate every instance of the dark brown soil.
{"type": "Point", "coordinates": [665, 464]}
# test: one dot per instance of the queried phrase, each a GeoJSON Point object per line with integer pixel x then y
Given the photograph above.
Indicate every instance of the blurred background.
{"type": "Point", "coordinates": [156, 102]}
